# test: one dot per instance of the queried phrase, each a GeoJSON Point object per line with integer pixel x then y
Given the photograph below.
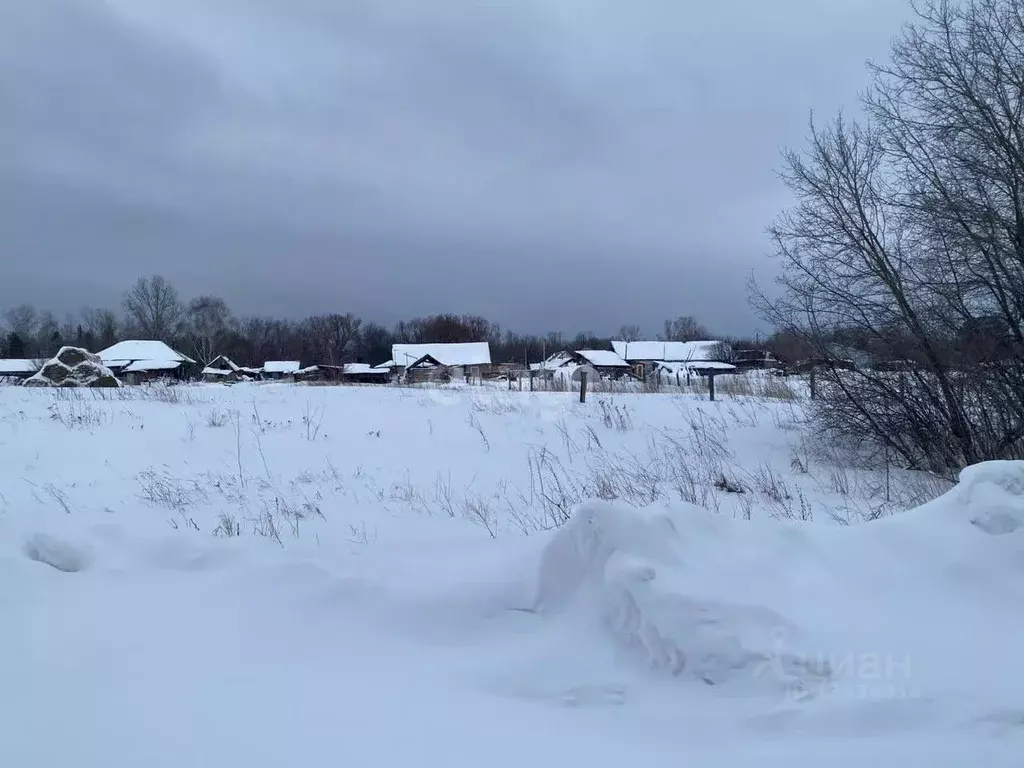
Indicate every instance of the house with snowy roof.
{"type": "Point", "coordinates": [281, 369]}
{"type": "Point", "coordinates": [607, 363]}
{"type": "Point", "coordinates": [142, 360]}
{"type": "Point", "coordinates": [697, 356]}
{"type": "Point", "coordinates": [427, 362]}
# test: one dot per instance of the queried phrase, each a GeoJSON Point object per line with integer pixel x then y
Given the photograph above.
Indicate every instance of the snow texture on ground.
{"type": "Point", "coordinates": [269, 575]}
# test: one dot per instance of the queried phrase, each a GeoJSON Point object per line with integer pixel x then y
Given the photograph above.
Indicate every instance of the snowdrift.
{"type": "Point", "coordinates": [803, 610]}
{"type": "Point", "coordinates": [624, 569]}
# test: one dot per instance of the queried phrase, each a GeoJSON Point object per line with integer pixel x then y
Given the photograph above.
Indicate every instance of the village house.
{"type": "Point", "coordinates": [698, 356]}
{"type": "Point", "coordinates": [605, 363]}
{"type": "Point", "coordinates": [145, 360]}
{"type": "Point", "coordinates": [444, 362]}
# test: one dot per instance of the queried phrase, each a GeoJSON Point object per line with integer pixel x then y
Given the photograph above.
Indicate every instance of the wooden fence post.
{"type": "Point", "coordinates": [711, 385]}
{"type": "Point", "coordinates": [814, 384]}
{"type": "Point", "coordinates": [583, 386]}
{"type": "Point", "coordinates": [531, 381]}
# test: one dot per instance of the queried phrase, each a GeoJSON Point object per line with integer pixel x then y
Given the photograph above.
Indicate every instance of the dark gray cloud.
{"type": "Point", "coordinates": [573, 164]}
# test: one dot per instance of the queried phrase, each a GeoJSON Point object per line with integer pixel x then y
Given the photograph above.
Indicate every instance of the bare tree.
{"type": "Point", "coordinates": [48, 335]}
{"type": "Point", "coordinates": [23, 320]}
{"type": "Point", "coordinates": [908, 234]}
{"type": "Point", "coordinates": [684, 328]}
{"type": "Point", "coordinates": [630, 333]}
{"type": "Point", "coordinates": [331, 339]}
{"type": "Point", "coordinates": [154, 307]}
{"type": "Point", "coordinates": [102, 325]}
{"type": "Point", "coordinates": [208, 321]}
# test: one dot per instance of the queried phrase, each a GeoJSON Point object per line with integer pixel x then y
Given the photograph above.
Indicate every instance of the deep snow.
{"type": "Point", "coordinates": [270, 575]}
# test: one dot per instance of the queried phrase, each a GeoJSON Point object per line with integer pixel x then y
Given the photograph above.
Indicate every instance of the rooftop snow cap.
{"type": "Point", "coordinates": [670, 351]}
{"type": "Point", "coordinates": [143, 351]}
{"type": "Point", "coordinates": [449, 355]}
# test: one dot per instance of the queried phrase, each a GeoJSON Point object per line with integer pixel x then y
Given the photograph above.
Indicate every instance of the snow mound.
{"type": "Point", "coordinates": [57, 553]}
{"type": "Point", "coordinates": [623, 569]}
{"type": "Point", "coordinates": [993, 492]}
{"type": "Point", "coordinates": [73, 367]}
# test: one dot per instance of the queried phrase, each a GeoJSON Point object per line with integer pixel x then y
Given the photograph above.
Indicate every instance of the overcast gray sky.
{"type": "Point", "coordinates": [550, 164]}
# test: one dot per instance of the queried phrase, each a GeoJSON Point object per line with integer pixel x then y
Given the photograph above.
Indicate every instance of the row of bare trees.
{"type": "Point", "coordinates": [908, 232]}
{"type": "Point", "coordinates": [204, 327]}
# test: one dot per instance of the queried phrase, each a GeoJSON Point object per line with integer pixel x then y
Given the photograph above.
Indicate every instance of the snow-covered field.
{"type": "Point", "coordinates": [279, 575]}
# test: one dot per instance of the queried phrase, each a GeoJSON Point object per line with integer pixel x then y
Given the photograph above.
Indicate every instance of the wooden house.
{"type": "Point", "coordinates": [606, 363]}
{"type": "Point", "coordinates": [644, 356]}
{"type": "Point", "coordinates": [443, 362]}
{"type": "Point", "coordinates": [136, 361]}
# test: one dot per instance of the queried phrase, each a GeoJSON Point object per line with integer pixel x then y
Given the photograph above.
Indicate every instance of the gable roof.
{"type": "Point", "coordinates": [669, 351]}
{"type": "Point", "coordinates": [136, 352]}
{"type": "Point", "coordinates": [556, 360]}
{"type": "Point", "coordinates": [448, 355]}
{"type": "Point", "coordinates": [226, 361]}
{"type": "Point", "coordinates": [602, 358]}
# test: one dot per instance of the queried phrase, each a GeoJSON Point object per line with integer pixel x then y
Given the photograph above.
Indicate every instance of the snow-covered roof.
{"type": "Point", "coordinates": [449, 355]}
{"type": "Point", "coordinates": [223, 360]}
{"type": "Point", "coordinates": [602, 358]}
{"type": "Point", "coordinates": [670, 351]}
{"type": "Point", "coordinates": [283, 366]}
{"type": "Point", "coordinates": [141, 366]}
{"type": "Point", "coordinates": [557, 360]}
{"type": "Point", "coordinates": [216, 372]}
{"type": "Point", "coordinates": [359, 369]}
{"type": "Point", "coordinates": [148, 351]}
{"type": "Point", "coordinates": [696, 365]}
{"type": "Point", "coordinates": [16, 366]}
{"type": "Point", "coordinates": [387, 365]}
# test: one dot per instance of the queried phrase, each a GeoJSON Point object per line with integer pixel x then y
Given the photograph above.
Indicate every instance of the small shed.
{"type": "Point", "coordinates": [363, 373]}
{"type": "Point", "coordinates": [223, 369]}
{"type": "Point", "coordinates": [605, 362]}
{"type": "Point", "coordinates": [281, 369]}
{"type": "Point", "coordinates": [350, 373]}
{"type": "Point", "coordinates": [18, 369]}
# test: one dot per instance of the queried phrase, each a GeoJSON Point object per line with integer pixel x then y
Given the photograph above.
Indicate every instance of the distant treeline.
{"type": "Point", "coordinates": [205, 327]}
